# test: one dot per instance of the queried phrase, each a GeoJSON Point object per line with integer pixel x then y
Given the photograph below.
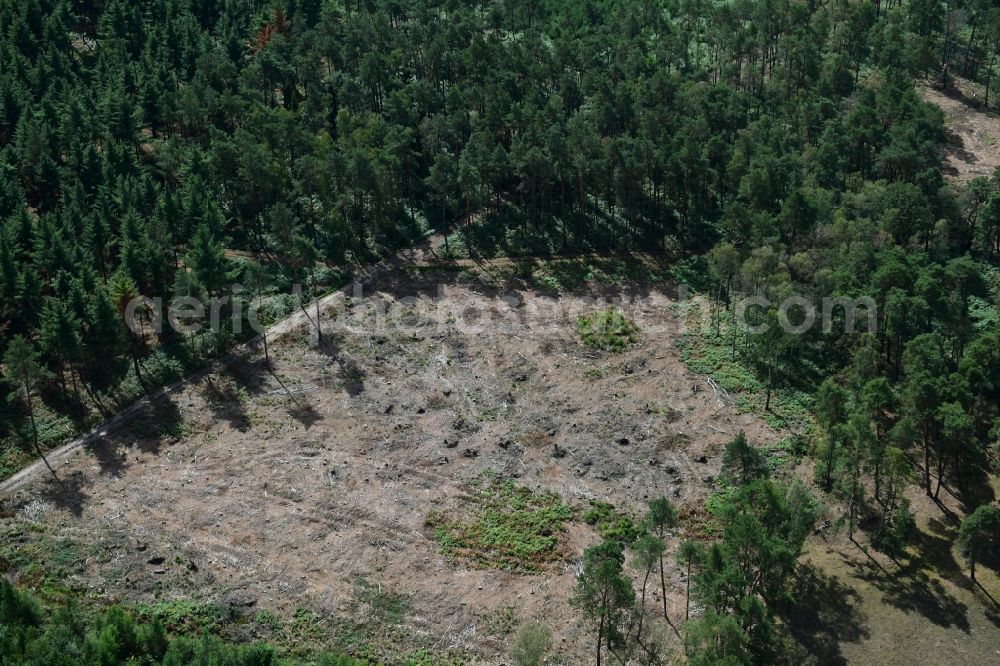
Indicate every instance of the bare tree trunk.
{"type": "Point", "coordinates": [663, 592]}
{"type": "Point", "coordinates": [989, 80]}
{"type": "Point", "coordinates": [687, 592]}
{"type": "Point", "coordinates": [927, 467]}
{"type": "Point", "coordinates": [319, 327]}
{"type": "Point", "coordinates": [600, 638]}
{"type": "Point", "coordinates": [34, 432]}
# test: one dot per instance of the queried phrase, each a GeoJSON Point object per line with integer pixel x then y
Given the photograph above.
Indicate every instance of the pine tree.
{"type": "Point", "coordinates": [61, 339]}
{"type": "Point", "coordinates": [105, 351]}
{"type": "Point", "coordinates": [688, 554]}
{"type": "Point", "coordinates": [305, 256]}
{"type": "Point", "coordinates": [207, 261]}
{"type": "Point", "coordinates": [831, 412]}
{"type": "Point", "coordinates": [603, 593]}
{"type": "Point", "coordinates": [23, 372]}
{"type": "Point", "coordinates": [647, 551]}
{"type": "Point", "coordinates": [661, 518]}
{"type": "Point", "coordinates": [742, 463]}
{"type": "Point", "coordinates": [979, 532]}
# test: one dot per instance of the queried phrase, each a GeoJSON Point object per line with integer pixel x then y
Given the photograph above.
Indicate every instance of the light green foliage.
{"type": "Point", "coordinates": [603, 594]}
{"type": "Point", "coordinates": [509, 526]}
{"type": "Point", "coordinates": [71, 636]}
{"type": "Point", "coordinates": [723, 357]}
{"type": "Point", "coordinates": [715, 640]}
{"type": "Point", "coordinates": [533, 642]}
{"type": "Point", "coordinates": [742, 463]}
{"type": "Point", "coordinates": [746, 573]}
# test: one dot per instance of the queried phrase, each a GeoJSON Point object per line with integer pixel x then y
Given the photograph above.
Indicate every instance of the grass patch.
{"type": "Point", "coordinates": [693, 272]}
{"type": "Point", "coordinates": [500, 623]}
{"type": "Point", "coordinates": [609, 330]}
{"type": "Point", "coordinates": [511, 527]}
{"type": "Point", "coordinates": [576, 273]}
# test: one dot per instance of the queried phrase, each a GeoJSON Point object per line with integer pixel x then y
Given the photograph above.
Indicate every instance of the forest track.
{"type": "Point", "coordinates": [509, 262]}
{"type": "Point", "coordinates": [60, 456]}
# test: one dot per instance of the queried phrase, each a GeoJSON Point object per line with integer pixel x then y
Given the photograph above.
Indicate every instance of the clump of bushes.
{"type": "Point", "coordinates": [612, 524]}
{"type": "Point", "coordinates": [533, 642]}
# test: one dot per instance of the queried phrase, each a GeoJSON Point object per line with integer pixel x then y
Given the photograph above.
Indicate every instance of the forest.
{"type": "Point", "coordinates": [776, 147]}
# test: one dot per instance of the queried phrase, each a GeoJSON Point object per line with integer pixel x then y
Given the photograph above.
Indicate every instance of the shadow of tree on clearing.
{"type": "Point", "coordinates": [991, 607]}
{"type": "Point", "coordinates": [67, 493]}
{"type": "Point", "coordinates": [349, 373]}
{"type": "Point", "coordinates": [303, 412]}
{"type": "Point", "coordinates": [225, 402]}
{"type": "Point", "coordinates": [825, 615]}
{"type": "Point", "coordinates": [148, 432]}
{"type": "Point", "coordinates": [912, 590]}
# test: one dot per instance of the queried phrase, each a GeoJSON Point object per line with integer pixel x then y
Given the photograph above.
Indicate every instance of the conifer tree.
{"type": "Point", "coordinates": [23, 372]}
{"type": "Point", "coordinates": [979, 532]}
{"type": "Point", "coordinates": [603, 593]}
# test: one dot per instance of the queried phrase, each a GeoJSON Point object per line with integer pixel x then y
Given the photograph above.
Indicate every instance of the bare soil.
{"type": "Point", "coordinates": [281, 489]}
{"type": "Point", "coordinates": [974, 148]}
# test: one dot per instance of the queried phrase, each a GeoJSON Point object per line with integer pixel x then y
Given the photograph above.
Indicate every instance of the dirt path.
{"type": "Point", "coordinates": [421, 252]}
{"type": "Point", "coordinates": [507, 262]}
{"type": "Point", "coordinates": [974, 149]}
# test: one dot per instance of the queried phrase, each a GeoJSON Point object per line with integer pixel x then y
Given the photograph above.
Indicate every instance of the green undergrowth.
{"type": "Point", "coordinates": [16, 448]}
{"type": "Point", "coordinates": [575, 273]}
{"type": "Point", "coordinates": [711, 351]}
{"type": "Point", "coordinates": [506, 526]}
{"type": "Point", "coordinates": [61, 417]}
{"type": "Point", "coordinates": [612, 524]}
{"type": "Point", "coordinates": [609, 330]}
{"type": "Point", "coordinates": [70, 633]}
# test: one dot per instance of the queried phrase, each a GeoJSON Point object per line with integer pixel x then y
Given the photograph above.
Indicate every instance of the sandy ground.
{"type": "Point", "coordinates": [278, 491]}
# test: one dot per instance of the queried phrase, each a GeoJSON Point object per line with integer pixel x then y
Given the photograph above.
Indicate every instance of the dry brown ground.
{"type": "Point", "coordinates": [974, 149]}
{"type": "Point", "coordinates": [277, 491]}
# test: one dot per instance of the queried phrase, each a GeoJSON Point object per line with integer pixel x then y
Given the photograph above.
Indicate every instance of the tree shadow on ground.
{"type": "Point", "coordinates": [956, 93]}
{"type": "Point", "coordinates": [225, 402]}
{"type": "Point", "coordinates": [912, 590]}
{"type": "Point", "coordinates": [991, 607]}
{"type": "Point", "coordinates": [67, 493]}
{"type": "Point", "coordinates": [978, 491]}
{"type": "Point", "coordinates": [111, 456]}
{"type": "Point", "coordinates": [148, 431]}
{"type": "Point", "coordinates": [304, 412]}
{"type": "Point", "coordinates": [955, 146]}
{"type": "Point", "coordinates": [933, 550]}
{"type": "Point", "coordinates": [825, 615]}
{"type": "Point", "coordinates": [350, 375]}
